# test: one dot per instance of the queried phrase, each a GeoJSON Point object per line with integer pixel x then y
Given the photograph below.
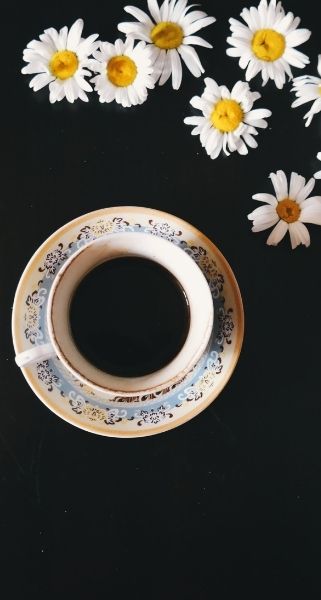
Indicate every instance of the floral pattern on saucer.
{"type": "Point", "coordinates": [86, 408]}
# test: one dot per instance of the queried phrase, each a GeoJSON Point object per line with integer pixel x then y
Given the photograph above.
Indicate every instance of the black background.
{"type": "Point", "coordinates": [229, 502]}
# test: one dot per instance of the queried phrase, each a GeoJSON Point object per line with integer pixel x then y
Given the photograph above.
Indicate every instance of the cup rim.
{"type": "Point", "coordinates": [118, 390]}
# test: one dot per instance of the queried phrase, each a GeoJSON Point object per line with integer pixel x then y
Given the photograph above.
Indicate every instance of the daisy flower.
{"type": "Point", "coordinates": [308, 88]}
{"type": "Point", "coordinates": [228, 120]}
{"type": "Point", "coordinates": [170, 32]}
{"type": "Point", "coordinates": [317, 175]}
{"type": "Point", "coordinates": [125, 72]}
{"type": "Point", "coordinates": [267, 42]}
{"type": "Point", "coordinates": [60, 60]}
{"type": "Point", "coordinates": [287, 210]}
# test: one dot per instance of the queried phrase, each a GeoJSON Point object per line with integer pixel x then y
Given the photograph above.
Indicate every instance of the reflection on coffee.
{"type": "Point", "coordinates": [129, 316]}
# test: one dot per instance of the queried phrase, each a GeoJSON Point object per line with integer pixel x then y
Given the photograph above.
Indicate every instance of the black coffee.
{"type": "Point", "coordinates": [129, 316]}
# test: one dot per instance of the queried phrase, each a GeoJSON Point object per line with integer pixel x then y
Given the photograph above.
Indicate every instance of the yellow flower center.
{"type": "Point", "coordinates": [121, 70]}
{"type": "Point", "coordinates": [63, 64]}
{"type": "Point", "coordinates": [288, 210]}
{"type": "Point", "coordinates": [268, 44]}
{"type": "Point", "coordinates": [227, 115]}
{"type": "Point", "coordinates": [167, 35]}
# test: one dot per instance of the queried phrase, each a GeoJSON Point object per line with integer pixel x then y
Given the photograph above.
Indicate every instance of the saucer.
{"type": "Point", "coordinates": [127, 416]}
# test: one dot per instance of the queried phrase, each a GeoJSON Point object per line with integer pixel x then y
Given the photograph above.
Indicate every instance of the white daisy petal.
{"type": "Point", "coordinates": [38, 48]}
{"type": "Point", "coordinates": [74, 34]}
{"type": "Point", "coordinates": [245, 58]}
{"type": "Point", "coordinates": [177, 9]}
{"type": "Point", "coordinates": [232, 139]}
{"type": "Point", "coordinates": [257, 114]}
{"type": "Point", "coordinates": [212, 141]}
{"type": "Point", "coordinates": [241, 147]}
{"type": "Point", "coordinates": [135, 30]}
{"type": "Point", "coordinates": [277, 234]}
{"type": "Point", "coordinates": [63, 35]}
{"type": "Point", "coordinates": [246, 16]}
{"type": "Point", "coordinates": [40, 80]}
{"type": "Point", "coordinates": [306, 95]}
{"type": "Point", "coordinates": [191, 60]}
{"type": "Point", "coordinates": [298, 234]}
{"type": "Point", "coordinates": [265, 224]}
{"type": "Point", "coordinates": [154, 10]}
{"type": "Point", "coordinates": [224, 92]}
{"type": "Point", "coordinates": [239, 90]}
{"type": "Point", "coordinates": [82, 95]}
{"type": "Point", "coordinates": [87, 46]}
{"type": "Point", "coordinates": [296, 58]}
{"type": "Point", "coordinates": [167, 69]}
{"type": "Point", "coordinates": [312, 201]}
{"type": "Point", "coordinates": [54, 92]}
{"type": "Point", "coordinates": [311, 213]}
{"type": "Point", "coordinates": [164, 10]}
{"type": "Point", "coordinates": [217, 151]}
{"type": "Point", "coordinates": [197, 41]}
{"type": "Point", "coordinates": [284, 24]}
{"type": "Point", "coordinates": [315, 108]}
{"type": "Point", "coordinates": [193, 120]}
{"type": "Point", "coordinates": [176, 67]}
{"type": "Point", "coordinates": [317, 175]}
{"type": "Point", "coordinates": [266, 198]}
{"type": "Point", "coordinates": [53, 34]}
{"type": "Point", "coordinates": [250, 140]}
{"type": "Point", "coordinates": [240, 42]}
{"type": "Point", "coordinates": [297, 37]}
{"type": "Point", "coordinates": [154, 53]}
{"type": "Point", "coordinates": [159, 64]}
{"type": "Point", "coordinates": [305, 191]}
{"type": "Point", "coordinates": [197, 25]}
{"type": "Point", "coordinates": [205, 133]}
{"type": "Point", "coordinates": [140, 15]}
{"type": "Point", "coordinates": [133, 96]}
{"type": "Point", "coordinates": [46, 38]}
{"type": "Point", "coordinates": [212, 86]}
{"type": "Point", "coordinates": [83, 84]}
{"type": "Point", "coordinates": [267, 211]}
{"type": "Point", "coordinates": [119, 46]}
{"type": "Point", "coordinates": [69, 91]}
{"type": "Point", "coordinates": [225, 144]}
{"type": "Point", "coordinates": [236, 53]}
{"type": "Point", "coordinates": [252, 70]}
{"type": "Point", "coordinates": [192, 16]}
{"type": "Point", "coordinates": [34, 67]}
{"type": "Point", "coordinates": [297, 183]}
{"type": "Point", "coordinates": [280, 184]}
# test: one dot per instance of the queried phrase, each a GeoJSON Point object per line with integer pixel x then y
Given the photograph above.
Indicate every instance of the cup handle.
{"type": "Point", "coordinates": [34, 354]}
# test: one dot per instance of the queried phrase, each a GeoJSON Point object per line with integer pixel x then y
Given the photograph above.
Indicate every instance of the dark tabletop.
{"type": "Point", "coordinates": [229, 502]}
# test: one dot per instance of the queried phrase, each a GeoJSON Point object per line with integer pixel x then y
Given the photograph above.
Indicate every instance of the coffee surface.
{"type": "Point", "coordinates": [129, 316]}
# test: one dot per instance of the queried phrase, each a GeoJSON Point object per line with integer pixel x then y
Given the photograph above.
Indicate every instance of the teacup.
{"type": "Point", "coordinates": [77, 266]}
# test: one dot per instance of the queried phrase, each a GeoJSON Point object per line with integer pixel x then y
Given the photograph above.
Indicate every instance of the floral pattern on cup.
{"type": "Point", "coordinates": [102, 227]}
{"type": "Point", "coordinates": [47, 376]}
{"type": "Point", "coordinates": [54, 260]}
{"type": "Point", "coordinates": [164, 230]}
{"type": "Point", "coordinates": [34, 304]}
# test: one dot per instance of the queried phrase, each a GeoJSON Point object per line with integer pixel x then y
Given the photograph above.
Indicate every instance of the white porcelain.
{"type": "Point", "coordinates": [170, 256]}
